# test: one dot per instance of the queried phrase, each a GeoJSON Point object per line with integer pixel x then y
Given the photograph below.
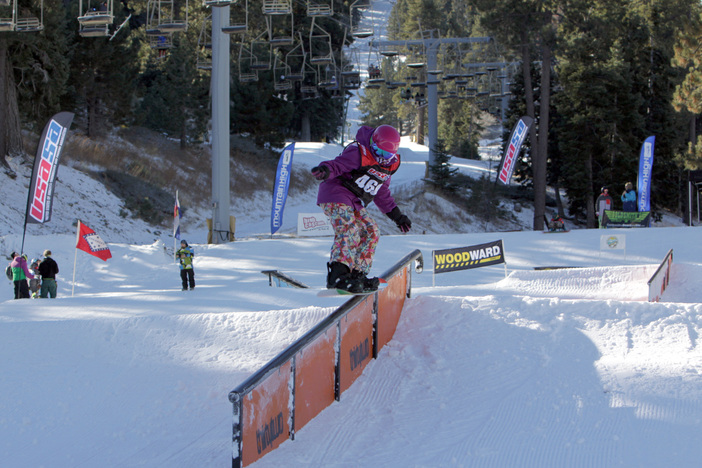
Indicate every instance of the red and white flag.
{"type": "Point", "coordinates": [90, 242]}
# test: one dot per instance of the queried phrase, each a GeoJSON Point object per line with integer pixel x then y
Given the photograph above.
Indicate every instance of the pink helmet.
{"type": "Point", "coordinates": [385, 141]}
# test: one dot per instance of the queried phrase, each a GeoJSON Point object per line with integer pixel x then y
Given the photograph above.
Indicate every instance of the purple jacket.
{"type": "Point", "coordinates": [18, 263]}
{"type": "Point", "coordinates": [333, 191]}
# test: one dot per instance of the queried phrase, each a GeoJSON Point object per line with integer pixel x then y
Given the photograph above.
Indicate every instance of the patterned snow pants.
{"type": "Point", "coordinates": [356, 235]}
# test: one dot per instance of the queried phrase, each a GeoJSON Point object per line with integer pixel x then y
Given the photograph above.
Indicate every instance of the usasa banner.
{"type": "Point", "coordinates": [41, 188]}
{"type": "Point", "coordinates": [465, 258]}
{"type": "Point", "coordinates": [626, 219]}
{"type": "Point", "coordinates": [516, 139]}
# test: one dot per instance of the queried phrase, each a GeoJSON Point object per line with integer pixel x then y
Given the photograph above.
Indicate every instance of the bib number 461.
{"type": "Point", "coordinates": [368, 185]}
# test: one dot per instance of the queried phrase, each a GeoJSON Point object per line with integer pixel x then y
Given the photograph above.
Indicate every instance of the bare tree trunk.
{"type": "Point", "coordinates": [529, 97]}
{"type": "Point", "coordinates": [306, 134]}
{"type": "Point", "coordinates": [541, 157]}
{"type": "Point", "coordinates": [10, 128]}
{"type": "Point", "coordinates": [420, 126]}
{"type": "Point", "coordinates": [92, 103]}
{"type": "Point", "coordinates": [183, 133]}
{"type": "Point", "coordinates": [590, 196]}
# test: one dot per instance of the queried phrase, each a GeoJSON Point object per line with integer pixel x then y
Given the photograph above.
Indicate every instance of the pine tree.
{"type": "Point", "coordinates": [442, 174]}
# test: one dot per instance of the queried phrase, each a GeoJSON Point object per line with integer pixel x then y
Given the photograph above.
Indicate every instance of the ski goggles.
{"type": "Point", "coordinates": [385, 158]}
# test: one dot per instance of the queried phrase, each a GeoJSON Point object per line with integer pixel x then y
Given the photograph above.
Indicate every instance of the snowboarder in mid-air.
{"type": "Point", "coordinates": [359, 175]}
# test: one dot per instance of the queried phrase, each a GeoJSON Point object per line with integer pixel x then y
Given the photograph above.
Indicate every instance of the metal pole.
{"type": "Point", "coordinates": [432, 104]}
{"type": "Point", "coordinates": [219, 88]}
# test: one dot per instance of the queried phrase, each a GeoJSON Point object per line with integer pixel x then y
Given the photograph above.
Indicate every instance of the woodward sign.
{"type": "Point", "coordinates": [464, 258]}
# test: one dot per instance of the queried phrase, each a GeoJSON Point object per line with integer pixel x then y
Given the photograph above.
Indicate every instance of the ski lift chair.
{"type": "Point", "coordinates": [281, 74]}
{"type": "Point", "coordinates": [94, 30]}
{"type": "Point", "coordinates": [10, 20]}
{"type": "Point", "coordinates": [95, 13]}
{"type": "Point", "coordinates": [389, 51]}
{"type": "Point", "coordinates": [350, 75]}
{"type": "Point", "coordinates": [277, 7]}
{"type": "Point", "coordinates": [246, 73]}
{"type": "Point", "coordinates": [328, 77]}
{"type": "Point", "coordinates": [261, 53]}
{"type": "Point", "coordinates": [204, 45]}
{"type": "Point", "coordinates": [162, 43]}
{"type": "Point", "coordinates": [295, 60]}
{"type": "Point", "coordinates": [161, 17]}
{"type": "Point", "coordinates": [320, 7]}
{"type": "Point", "coordinates": [8, 15]}
{"type": "Point", "coordinates": [282, 32]}
{"type": "Point", "coordinates": [321, 52]}
{"type": "Point", "coordinates": [238, 18]}
{"type": "Point", "coordinates": [308, 87]}
{"type": "Point", "coordinates": [355, 9]}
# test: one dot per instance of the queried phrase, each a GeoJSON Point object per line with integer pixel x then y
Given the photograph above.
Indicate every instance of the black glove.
{"type": "Point", "coordinates": [402, 221]}
{"type": "Point", "coordinates": [320, 172]}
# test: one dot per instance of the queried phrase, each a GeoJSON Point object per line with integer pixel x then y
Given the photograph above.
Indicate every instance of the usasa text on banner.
{"type": "Point", "coordinates": [516, 139]}
{"type": "Point", "coordinates": [280, 188]}
{"type": "Point", "coordinates": [464, 258]}
{"type": "Point", "coordinates": [41, 188]}
{"type": "Point", "coordinates": [645, 168]}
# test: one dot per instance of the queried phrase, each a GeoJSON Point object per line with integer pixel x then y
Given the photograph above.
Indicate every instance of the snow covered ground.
{"type": "Point", "coordinates": [566, 367]}
{"type": "Point", "coordinates": [490, 367]}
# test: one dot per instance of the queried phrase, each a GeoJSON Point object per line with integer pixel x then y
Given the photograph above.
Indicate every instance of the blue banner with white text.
{"type": "Point", "coordinates": [280, 188]}
{"type": "Point", "coordinates": [645, 167]}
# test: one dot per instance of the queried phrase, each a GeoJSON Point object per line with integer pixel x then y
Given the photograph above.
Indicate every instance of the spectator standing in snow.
{"type": "Point", "coordinates": [20, 274]}
{"type": "Point", "coordinates": [34, 284]}
{"type": "Point", "coordinates": [629, 197]}
{"type": "Point", "coordinates": [603, 202]}
{"type": "Point", "coordinates": [48, 269]}
{"type": "Point", "coordinates": [358, 176]}
{"type": "Point", "coordinates": [187, 274]}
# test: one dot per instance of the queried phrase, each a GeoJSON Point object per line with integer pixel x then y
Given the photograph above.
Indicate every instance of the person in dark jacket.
{"type": "Point", "coordinates": [20, 274]}
{"type": "Point", "coordinates": [358, 176]}
{"type": "Point", "coordinates": [187, 274]}
{"type": "Point", "coordinates": [48, 269]}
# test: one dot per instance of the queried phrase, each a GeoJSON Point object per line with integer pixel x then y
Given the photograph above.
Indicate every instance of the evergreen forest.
{"type": "Point", "coordinates": [598, 77]}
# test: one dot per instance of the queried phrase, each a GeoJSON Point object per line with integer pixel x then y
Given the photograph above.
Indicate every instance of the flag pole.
{"type": "Point", "coordinates": [175, 241]}
{"type": "Point", "coordinates": [26, 209]}
{"type": "Point", "coordinates": [75, 260]}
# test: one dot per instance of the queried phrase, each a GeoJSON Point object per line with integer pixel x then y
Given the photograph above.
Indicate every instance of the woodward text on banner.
{"type": "Point", "coordinates": [280, 188]}
{"type": "Point", "coordinates": [464, 258]}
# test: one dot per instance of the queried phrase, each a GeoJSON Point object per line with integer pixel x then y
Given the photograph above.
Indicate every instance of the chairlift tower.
{"type": "Point", "coordinates": [219, 91]}
{"type": "Point", "coordinates": [431, 45]}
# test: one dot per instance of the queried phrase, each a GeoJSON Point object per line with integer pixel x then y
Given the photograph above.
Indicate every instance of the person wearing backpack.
{"type": "Point", "coordinates": [20, 273]}
{"type": "Point", "coordinates": [187, 274]}
{"type": "Point", "coordinates": [48, 269]}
